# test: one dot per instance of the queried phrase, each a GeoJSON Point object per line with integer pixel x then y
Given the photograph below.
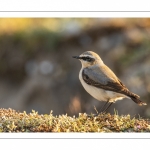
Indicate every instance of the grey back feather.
{"type": "Point", "coordinates": [101, 75]}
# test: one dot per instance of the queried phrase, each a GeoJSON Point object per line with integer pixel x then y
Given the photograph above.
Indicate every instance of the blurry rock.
{"type": "Point", "coordinates": [46, 67]}
{"type": "Point", "coordinates": [31, 67]}
{"type": "Point", "coordinates": [106, 43]}
{"type": "Point", "coordinates": [134, 36]}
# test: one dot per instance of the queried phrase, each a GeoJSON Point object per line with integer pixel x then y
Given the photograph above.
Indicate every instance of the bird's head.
{"type": "Point", "coordinates": [89, 58]}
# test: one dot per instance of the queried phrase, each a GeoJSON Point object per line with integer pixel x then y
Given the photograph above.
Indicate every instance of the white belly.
{"type": "Point", "coordinates": [100, 94]}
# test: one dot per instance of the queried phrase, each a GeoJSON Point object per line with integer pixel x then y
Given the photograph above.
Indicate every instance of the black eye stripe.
{"type": "Point", "coordinates": [89, 59]}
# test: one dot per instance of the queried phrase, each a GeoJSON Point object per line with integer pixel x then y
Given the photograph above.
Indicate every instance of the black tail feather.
{"type": "Point", "coordinates": [138, 101]}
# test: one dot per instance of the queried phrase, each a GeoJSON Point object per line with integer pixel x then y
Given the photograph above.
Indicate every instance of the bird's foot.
{"type": "Point", "coordinates": [103, 112]}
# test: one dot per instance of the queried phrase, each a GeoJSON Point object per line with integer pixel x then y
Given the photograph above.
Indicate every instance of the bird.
{"type": "Point", "coordinates": [101, 82]}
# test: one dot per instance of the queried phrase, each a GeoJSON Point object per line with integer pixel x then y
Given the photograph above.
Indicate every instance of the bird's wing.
{"type": "Point", "coordinates": [104, 78]}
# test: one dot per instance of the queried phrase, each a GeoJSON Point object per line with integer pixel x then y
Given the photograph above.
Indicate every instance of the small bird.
{"type": "Point", "coordinates": [101, 82]}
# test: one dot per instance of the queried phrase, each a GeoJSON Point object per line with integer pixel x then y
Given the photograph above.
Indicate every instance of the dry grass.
{"type": "Point", "coordinates": [13, 121]}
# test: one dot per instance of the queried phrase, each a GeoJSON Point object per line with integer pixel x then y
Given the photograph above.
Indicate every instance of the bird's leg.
{"type": "Point", "coordinates": [107, 107]}
{"type": "Point", "coordinates": [103, 107]}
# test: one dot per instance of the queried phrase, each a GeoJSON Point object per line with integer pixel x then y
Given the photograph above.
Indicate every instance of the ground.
{"type": "Point", "coordinates": [13, 121]}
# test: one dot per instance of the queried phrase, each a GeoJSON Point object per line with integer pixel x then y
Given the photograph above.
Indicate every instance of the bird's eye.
{"type": "Point", "coordinates": [88, 59]}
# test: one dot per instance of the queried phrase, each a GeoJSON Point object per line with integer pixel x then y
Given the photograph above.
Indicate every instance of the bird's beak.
{"type": "Point", "coordinates": [77, 57]}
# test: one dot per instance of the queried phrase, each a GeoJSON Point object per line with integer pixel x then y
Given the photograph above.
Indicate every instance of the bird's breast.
{"type": "Point", "coordinates": [97, 93]}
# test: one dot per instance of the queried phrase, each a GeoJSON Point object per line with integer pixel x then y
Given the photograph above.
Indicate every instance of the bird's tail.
{"type": "Point", "coordinates": [136, 99]}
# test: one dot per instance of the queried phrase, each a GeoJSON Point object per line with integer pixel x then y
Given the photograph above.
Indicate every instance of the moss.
{"type": "Point", "coordinates": [13, 121]}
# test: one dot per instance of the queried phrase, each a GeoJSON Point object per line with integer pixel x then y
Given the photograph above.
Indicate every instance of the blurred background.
{"type": "Point", "coordinates": [37, 70]}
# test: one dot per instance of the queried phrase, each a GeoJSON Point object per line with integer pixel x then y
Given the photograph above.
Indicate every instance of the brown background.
{"type": "Point", "coordinates": [37, 70]}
